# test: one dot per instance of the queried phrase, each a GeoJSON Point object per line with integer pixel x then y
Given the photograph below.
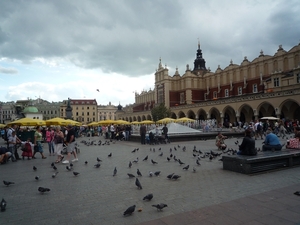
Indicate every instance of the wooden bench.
{"type": "Point", "coordinates": [263, 161]}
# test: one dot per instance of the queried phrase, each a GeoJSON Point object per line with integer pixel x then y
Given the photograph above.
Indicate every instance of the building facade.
{"type": "Point", "coordinates": [107, 112]}
{"type": "Point", "coordinates": [83, 110]}
{"type": "Point", "coordinates": [265, 86]}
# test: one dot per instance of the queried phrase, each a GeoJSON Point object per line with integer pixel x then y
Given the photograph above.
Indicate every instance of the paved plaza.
{"type": "Point", "coordinates": [210, 195]}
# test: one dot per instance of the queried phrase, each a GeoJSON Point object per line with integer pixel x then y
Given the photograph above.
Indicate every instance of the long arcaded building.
{"type": "Point", "coordinates": [265, 86]}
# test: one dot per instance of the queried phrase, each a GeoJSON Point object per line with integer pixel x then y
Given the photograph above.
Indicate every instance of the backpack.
{"type": "Point", "coordinates": [258, 127]}
{"type": "Point", "coordinates": [5, 137]}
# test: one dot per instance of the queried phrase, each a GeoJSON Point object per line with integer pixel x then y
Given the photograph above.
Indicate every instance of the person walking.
{"type": "Point", "coordinates": [58, 141]}
{"type": "Point", "coordinates": [38, 137]}
{"type": "Point", "coordinates": [70, 141]}
{"type": "Point", "coordinates": [143, 131]}
{"type": "Point", "coordinates": [49, 140]}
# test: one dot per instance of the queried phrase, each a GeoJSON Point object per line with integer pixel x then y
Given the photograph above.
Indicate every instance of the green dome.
{"type": "Point", "coordinates": [30, 109]}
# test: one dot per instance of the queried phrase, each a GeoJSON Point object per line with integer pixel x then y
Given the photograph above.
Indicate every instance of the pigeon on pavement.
{"type": "Point", "coordinates": [115, 171]}
{"type": "Point", "coordinates": [129, 211]}
{"type": "Point", "coordinates": [157, 173]}
{"type": "Point", "coordinates": [43, 190]}
{"type": "Point", "coordinates": [7, 183]}
{"type": "Point", "coordinates": [186, 167]}
{"type": "Point", "coordinates": [130, 164]}
{"type": "Point", "coordinates": [130, 175]}
{"type": "Point", "coordinates": [3, 205]}
{"type": "Point", "coordinates": [153, 162]}
{"type": "Point", "coordinates": [54, 175]}
{"type": "Point", "coordinates": [110, 155]}
{"type": "Point", "coordinates": [75, 173]}
{"type": "Point", "coordinates": [146, 158]}
{"type": "Point", "coordinates": [97, 165]}
{"type": "Point", "coordinates": [138, 184]}
{"type": "Point", "coordinates": [34, 168]}
{"type": "Point", "coordinates": [160, 206]}
{"type": "Point", "coordinates": [37, 177]}
{"type": "Point", "coordinates": [139, 172]}
{"type": "Point", "coordinates": [148, 197]}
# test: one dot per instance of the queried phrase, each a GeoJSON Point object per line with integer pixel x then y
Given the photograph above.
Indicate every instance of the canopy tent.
{"type": "Point", "coordinates": [166, 120]}
{"type": "Point", "coordinates": [122, 122]}
{"type": "Point", "coordinates": [57, 121]}
{"type": "Point", "coordinates": [184, 120]}
{"type": "Point", "coordinates": [73, 122]}
{"type": "Point", "coordinates": [2, 125]}
{"type": "Point", "coordinates": [106, 122]}
{"type": "Point", "coordinates": [269, 118]}
{"type": "Point", "coordinates": [147, 122]}
{"type": "Point", "coordinates": [93, 124]}
{"type": "Point", "coordinates": [28, 122]}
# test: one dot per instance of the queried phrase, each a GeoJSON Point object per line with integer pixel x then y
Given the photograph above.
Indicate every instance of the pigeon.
{"type": "Point", "coordinates": [175, 177]}
{"type": "Point", "coordinates": [86, 162]}
{"type": "Point", "coordinates": [130, 175]}
{"type": "Point", "coordinates": [130, 164]}
{"type": "Point", "coordinates": [161, 154]}
{"type": "Point", "coordinates": [153, 162]}
{"type": "Point", "coordinates": [148, 197]}
{"type": "Point", "coordinates": [129, 211]}
{"type": "Point", "coordinates": [7, 183]}
{"type": "Point", "coordinates": [110, 155]}
{"type": "Point", "coordinates": [197, 162]}
{"type": "Point", "coordinates": [160, 206]}
{"type": "Point", "coordinates": [186, 167]}
{"type": "Point", "coordinates": [170, 176]}
{"type": "Point", "coordinates": [136, 161]}
{"type": "Point", "coordinates": [54, 175]}
{"type": "Point", "coordinates": [97, 165]}
{"type": "Point", "coordinates": [34, 168]}
{"type": "Point", "coordinates": [99, 160]}
{"type": "Point", "coordinates": [138, 184]}
{"type": "Point", "coordinates": [157, 173]}
{"type": "Point", "coordinates": [194, 169]}
{"type": "Point", "coordinates": [43, 190]}
{"type": "Point", "coordinates": [297, 193]}
{"type": "Point", "coordinates": [115, 171]}
{"type": "Point", "coordinates": [133, 151]}
{"type": "Point", "coordinates": [138, 172]}
{"type": "Point", "coordinates": [71, 165]}
{"type": "Point", "coordinates": [168, 159]}
{"type": "Point", "coordinates": [237, 142]}
{"type": "Point", "coordinates": [150, 174]}
{"type": "Point", "coordinates": [180, 162]}
{"type": "Point", "coordinates": [52, 164]}
{"type": "Point", "coordinates": [171, 155]}
{"type": "Point", "coordinates": [37, 177]}
{"type": "Point", "coordinates": [171, 150]}
{"type": "Point", "coordinates": [146, 158]}
{"type": "Point", "coordinates": [54, 167]}
{"type": "Point", "coordinates": [68, 168]}
{"type": "Point", "coordinates": [3, 205]}
{"type": "Point", "coordinates": [75, 173]}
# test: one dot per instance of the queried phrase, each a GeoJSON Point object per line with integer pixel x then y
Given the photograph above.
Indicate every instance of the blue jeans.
{"type": "Point", "coordinates": [51, 147]}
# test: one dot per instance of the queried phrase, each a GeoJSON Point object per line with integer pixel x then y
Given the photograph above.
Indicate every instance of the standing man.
{"type": "Point", "coordinates": [12, 141]}
{"type": "Point", "coordinates": [70, 141]}
{"type": "Point", "coordinates": [112, 132]}
{"type": "Point", "coordinates": [165, 132]}
{"type": "Point", "coordinates": [143, 131]}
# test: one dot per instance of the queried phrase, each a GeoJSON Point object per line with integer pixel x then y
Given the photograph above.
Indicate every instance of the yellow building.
{"type": "Point", "coordinates": [266, 86]}
{"type": "Point", "coordinates": [107, 112]}
{"type": "Point", "coordinates": [83, 110]}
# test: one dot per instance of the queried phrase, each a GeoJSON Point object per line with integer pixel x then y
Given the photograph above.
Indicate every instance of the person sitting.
{"type": "Point", "coordinates": [248, 145]}
{"type": "Point", "coordinates": [272, 142]}
{"type": "Point", "coordinates": [220, 141]}
{"type": "Point", "coordinates": [4, 155]}
{"type": "Point", "coordinates": [294, 143]}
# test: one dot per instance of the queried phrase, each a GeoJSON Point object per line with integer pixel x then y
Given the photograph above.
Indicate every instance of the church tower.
{"type": "Point", "coordinates": [199, 63]}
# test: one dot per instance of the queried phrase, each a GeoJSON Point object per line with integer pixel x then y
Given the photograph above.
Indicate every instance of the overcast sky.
{"type": "Point", "coordinates": [59, 49]}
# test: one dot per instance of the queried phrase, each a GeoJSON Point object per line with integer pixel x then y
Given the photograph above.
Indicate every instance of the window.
{"type": "Point", "coordinates": [82, 107]}
{"type": "Point", "coordinates": [240, 90]}
{"type": "Point", "coordinates": [93, 113]}
{"type": "Point", "coordinates": [298, 78]}
{"type": "Point", "coordinates": [77, 107]}
{"type": "Point", "coordinates": [254, 88]}
{"type": "Point", "coordinates": [88, 107]}
{"type": "Point", "coordinates": [76, 113]}
{"type": "Point", "coordinates": [82, 114]}
{"type": "Point", "coordinates": [182, 98]}
{"type": "Point", "coordinates": [226, 93]}
{"type": "Point", "coordinates": [276, 82]}
{"type": "Point", "coordinates": [88, 113]}
{"type": "Point", "coordinates": [215, 95]}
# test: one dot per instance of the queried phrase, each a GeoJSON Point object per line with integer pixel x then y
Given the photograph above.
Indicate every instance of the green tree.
{"type": "Point", "coordinates": [159, 112]}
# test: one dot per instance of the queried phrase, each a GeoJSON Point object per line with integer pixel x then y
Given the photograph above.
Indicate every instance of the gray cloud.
{"type": "Point", "coordinates": [8, 70]}
{"type": "Point", "coordinates": [128, 37]}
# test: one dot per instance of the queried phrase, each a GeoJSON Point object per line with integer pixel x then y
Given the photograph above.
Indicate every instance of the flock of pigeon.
{"type": "Point", "coordinates": [166, 156]}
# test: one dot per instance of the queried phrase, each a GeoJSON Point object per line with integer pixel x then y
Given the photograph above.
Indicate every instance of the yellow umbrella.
{"type": "Point", "coordinates": [57, 121]}
{"type": "Point", "coordinates": [135, 122]}
{"type": "Point", "coordinates": [106, 122]}
{"type": "Point", "coordinates": [73, 122]}
{"type": "Point", "coordinates": [122, 122]}
{"type": "Point", "coordinates": [2, 125]}
{"type": "Point", "coordinates": [147, 122]}
{"type": "Point", "coordinates": [184, 120]}
{"type": "Point", "coordinates": [28, 122]}
{"type": "Point", "coordinates": [166, 120]}
{"type": "Point", "coordinates": [93, 124]}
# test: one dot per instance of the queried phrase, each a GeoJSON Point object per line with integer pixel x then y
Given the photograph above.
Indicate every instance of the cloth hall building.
{"type": "Point", "coordinates": [265, 86]}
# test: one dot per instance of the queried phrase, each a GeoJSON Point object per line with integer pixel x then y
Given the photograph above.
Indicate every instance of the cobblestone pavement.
{"type": "Point", "coordinates": [97, 197]}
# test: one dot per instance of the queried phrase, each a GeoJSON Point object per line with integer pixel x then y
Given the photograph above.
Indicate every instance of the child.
{"type": "Point", "coordinates": [27, 149]}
